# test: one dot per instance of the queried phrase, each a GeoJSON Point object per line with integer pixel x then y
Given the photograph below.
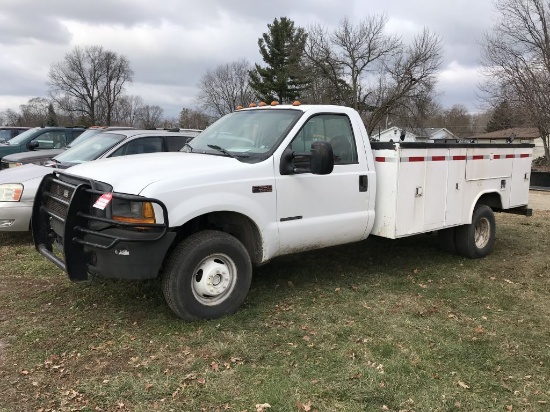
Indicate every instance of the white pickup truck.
{"type": "Point", "coordinates": [263, 182]}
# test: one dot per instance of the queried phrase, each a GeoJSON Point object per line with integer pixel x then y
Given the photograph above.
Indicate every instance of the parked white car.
{"type": "Point", "coordinates": [18, 185]}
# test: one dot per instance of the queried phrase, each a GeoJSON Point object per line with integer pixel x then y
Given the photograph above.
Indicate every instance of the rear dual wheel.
{"type": "Point", "coordinates": [477, 239]}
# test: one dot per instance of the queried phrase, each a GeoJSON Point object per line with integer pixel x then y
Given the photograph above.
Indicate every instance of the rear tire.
{"type": "Point", "coordinates": [207, 276]}
{"type": "Point", "coordinates": [446, 240]}
{"type": "Point", "coordinates": [477, 239]}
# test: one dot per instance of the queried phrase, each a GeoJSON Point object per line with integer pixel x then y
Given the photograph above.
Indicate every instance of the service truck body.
{"type": "Point", "coordinates": [424, 187]}
{"type": "Point", "coordinates": [261, 183]}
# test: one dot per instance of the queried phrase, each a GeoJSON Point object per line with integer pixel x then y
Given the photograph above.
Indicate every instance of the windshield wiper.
{"type": "Point", "coordinates": [221, 150]}
{"type": "Point", "coordinates": [51, 162]}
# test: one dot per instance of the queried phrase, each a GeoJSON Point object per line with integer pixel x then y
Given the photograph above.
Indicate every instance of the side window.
{"type": "Point", "coordinates": [52, 140]}
{"type": "Point", "coordinates": [332, 128]}
{"type": "Point", "coordinates": [139, 146]}
{"type": "Point", "coordinates": [175, 143]}
{"type": "Point", "coordinates": [75, 134]}
{"type": "Point", "coordinates": [312, 131]}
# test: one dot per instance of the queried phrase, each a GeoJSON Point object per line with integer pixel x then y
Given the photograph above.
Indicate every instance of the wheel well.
{"type": "Point", "coordinates": [492, 200]}
{"type": "Point", "coordinates": [236, 224]}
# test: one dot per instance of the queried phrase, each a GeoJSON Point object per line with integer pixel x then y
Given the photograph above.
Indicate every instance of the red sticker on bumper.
{"type": "Point", "coordinates": [103, 201]}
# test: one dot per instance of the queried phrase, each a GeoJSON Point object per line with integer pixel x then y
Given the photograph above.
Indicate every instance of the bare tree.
{"type": "Point", "coordinates": [516, 57]}
{"type": "Point", "coordinates": [89, 81]}
{"type": "Point", "coordinates": [116, 73]}
{"type": "Point", "coordinates": [126, 109]}
{"type": "Point", "coordinates": [11, 118]}
{"type": "Point", "coordinates": [225, 88]}
{"type": "Point", "coordinates": [370, 70]}
{"type": "Point", "coordinates": [193, 119]}
{"type": "Point", "coordinates": [35, 111]}
{"type": "Point", "coordinates": [456, 119]}
{"type": "Point", "coordinates": [149, 117]}
{"type": "Point", "coordinates": [416, 111]}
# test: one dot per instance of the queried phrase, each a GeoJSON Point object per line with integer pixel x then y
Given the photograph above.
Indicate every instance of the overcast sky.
{"type": "Point", "coordinates": [171, 43]}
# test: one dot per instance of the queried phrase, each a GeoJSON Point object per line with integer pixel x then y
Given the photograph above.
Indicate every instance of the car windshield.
{"type": "Point", "coordinates": [246, 134]}
{"type": "Point", "coordinates": [20, 138]}
{"type": "Point", "coordinates": [90, 149]}
{"type": "Point", "coordinates": [84, 136]}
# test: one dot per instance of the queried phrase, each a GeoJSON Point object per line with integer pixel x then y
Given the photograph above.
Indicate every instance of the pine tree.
{"type": "Point", "coordinates": [51, 119]}
{"type": "Point", "coordinates": [502, 118]}
{"type": "Point", "coordinates": [282, 49]}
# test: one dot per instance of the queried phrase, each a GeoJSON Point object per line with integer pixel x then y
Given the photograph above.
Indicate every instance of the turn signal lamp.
{"type": "Point", "coordinates": [262, 104]}
{"type": "Point", "coordinates": [274, 103]}
{"type": "Point", "coordinates": [11, 192]}
{"type": "Point", "coordinates": [296, 103]}
{"type": "Point", "coordinates": [252, 105]}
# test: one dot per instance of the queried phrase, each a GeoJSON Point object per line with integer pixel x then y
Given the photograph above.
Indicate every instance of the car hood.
{"type": "Point", "coordinates": [131, 174]}
{"type": "Point", "coordinates": [30, 156]}
{"type": "Point", "coordinates": [21, 174]}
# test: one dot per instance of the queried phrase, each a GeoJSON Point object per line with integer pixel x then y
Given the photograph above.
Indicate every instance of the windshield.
{"type": "Point", "coordinates": [90, 149]}
{"type": "Point", "coordinates": [246, 133]}
{"type": "Point", "coordinates": [84, 136]}
{"type": "Point", "coordinates": [20, 138]}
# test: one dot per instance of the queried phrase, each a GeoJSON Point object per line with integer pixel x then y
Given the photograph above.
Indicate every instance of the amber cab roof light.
{"type": "Point", "coordinates": [263, 104]}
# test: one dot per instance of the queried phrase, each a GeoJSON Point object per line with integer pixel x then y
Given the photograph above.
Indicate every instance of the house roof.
{"type": "Point", "coordinates": [530, 133]}
{"type": "Point", "coordinates": [426, 132]}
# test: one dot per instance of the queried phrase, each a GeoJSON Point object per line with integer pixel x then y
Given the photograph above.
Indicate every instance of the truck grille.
{"type": "Point", "coordinates": [4, 165]}
{"type": "Point", "coordinates": [57, 198]}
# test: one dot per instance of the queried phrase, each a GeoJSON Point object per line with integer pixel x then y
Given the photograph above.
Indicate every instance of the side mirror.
{"type": "Point", "coordinates": [32, 145]}
{"type": "Point", "coordinates": [321, 160]}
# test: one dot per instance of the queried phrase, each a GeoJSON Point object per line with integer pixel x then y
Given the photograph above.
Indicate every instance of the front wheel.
{"type": "Point", "coordinates": [477, 239]}
{"type": "Point", "coordinates": [207, 276]}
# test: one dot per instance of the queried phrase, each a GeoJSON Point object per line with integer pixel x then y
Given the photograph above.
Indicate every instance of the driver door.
{"type": "Point", "coordinates": [315, 211]}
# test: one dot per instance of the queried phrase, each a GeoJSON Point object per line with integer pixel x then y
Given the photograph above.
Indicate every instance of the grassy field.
{"type": "Point", "coordinates": [379, 325]}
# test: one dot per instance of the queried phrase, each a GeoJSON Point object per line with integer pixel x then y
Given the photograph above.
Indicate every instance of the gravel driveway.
{"type": "Point", "coordinates": [539, 200]}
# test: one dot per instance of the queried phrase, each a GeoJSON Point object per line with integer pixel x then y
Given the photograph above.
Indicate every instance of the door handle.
{"type": "Point", "coordinates": [363, 183]}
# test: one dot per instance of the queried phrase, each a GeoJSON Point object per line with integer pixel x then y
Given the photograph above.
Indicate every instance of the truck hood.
{"type": "Point", "coordinates": [131, 174]}
{"type": "Point", "coordinates": [23, 173]}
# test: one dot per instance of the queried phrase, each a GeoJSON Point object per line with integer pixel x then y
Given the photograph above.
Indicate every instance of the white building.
{"type": "Point", "coordinates": [399, 134]}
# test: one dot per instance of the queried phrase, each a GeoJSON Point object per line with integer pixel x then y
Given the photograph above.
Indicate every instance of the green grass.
{"type": "Point", "coordinates": [377, 325]}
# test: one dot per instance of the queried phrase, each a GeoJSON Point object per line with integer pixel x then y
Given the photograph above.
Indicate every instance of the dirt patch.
{"type": "Point", "coordinates": [3, 345]}
{"type": "Point", "coordinates": [539, 200]}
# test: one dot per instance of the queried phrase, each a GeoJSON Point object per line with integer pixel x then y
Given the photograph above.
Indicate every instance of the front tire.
{"type": "Point", "coordinates": [207, 276]}
{"type": "Point", "coordinates": [477, 239]}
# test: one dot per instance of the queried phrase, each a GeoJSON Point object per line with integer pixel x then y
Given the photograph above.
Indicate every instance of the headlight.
{"type": "Point", "coordinates": [133, 212]}
{"type": "Point", "coordinates": [11, 192]}
{"type": "Point", "coordinates": [11, 164]}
